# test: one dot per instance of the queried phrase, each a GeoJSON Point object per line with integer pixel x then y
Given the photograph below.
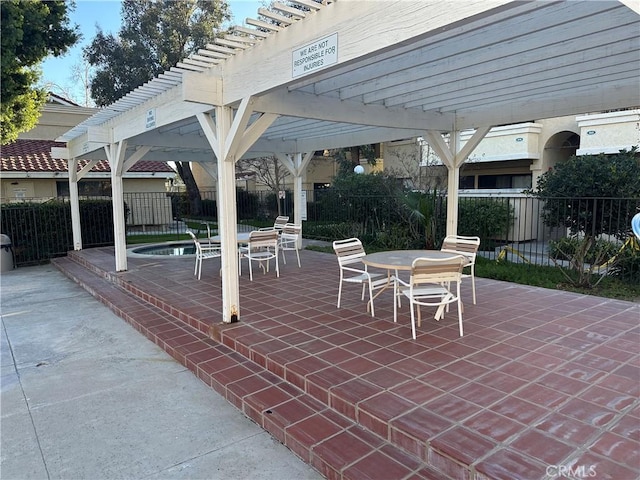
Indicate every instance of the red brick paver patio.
{"type": "Point", "coordinates": [544, 383]}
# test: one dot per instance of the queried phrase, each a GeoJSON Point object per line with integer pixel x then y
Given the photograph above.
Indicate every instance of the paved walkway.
{"type": "Point", "coordinates": [84, 396]}
{"type": "Point", "coordinates": [542, 379]}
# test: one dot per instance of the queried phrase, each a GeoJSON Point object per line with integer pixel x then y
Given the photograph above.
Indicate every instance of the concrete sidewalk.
{"type": "Point", "coordinates": [85, 396]}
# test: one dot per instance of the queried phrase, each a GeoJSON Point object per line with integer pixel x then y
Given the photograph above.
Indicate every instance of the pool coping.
{"type": "Point", "coordinates": [131, 250]}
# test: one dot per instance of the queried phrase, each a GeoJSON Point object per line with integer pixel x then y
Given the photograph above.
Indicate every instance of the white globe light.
{"type": "Point", "coordinates": [358, 169]}
{"type": "Point", "coordinates": [635, 224]}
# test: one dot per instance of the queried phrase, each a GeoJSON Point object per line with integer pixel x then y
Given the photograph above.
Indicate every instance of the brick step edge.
{"type": "Point", "coordinates": [266, 399]}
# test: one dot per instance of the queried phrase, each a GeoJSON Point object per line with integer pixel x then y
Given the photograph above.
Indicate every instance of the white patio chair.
{"type": "Point", "coordinates": [280, 222]}
{"type": "Point", "coordinates": [262, 248]}
{"type": "Point", "coordinates": [204, 251]}
{"type": "Point", "coordinates": [290, 239]}
{"type": "Point", "coordinates": [467, 247]}
{"type": "Point", "coordinates": [434, 283]}
{"type": "Point", "coordinates": [350, 253]}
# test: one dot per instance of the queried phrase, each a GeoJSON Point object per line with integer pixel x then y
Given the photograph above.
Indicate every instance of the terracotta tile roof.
{"type": "Point", "coordinates": [35, 156]}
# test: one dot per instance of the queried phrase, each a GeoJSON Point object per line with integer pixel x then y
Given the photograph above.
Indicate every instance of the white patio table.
{"type": "Point", "coordinates": [243, 238]}
{"type": "Point", "coordinates": [396, 260]}
{"type": "Point", "coordinates": [400, 259]}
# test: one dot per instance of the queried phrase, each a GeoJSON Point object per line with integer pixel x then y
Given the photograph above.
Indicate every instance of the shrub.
{"type": "Point", "coordinates": [627, 264]}
{"type": "Point", "coordinates": [271, 202]}
{"type": "Point", "coordinates": [248, 205]}
{"type": "Point", "coordinates": [40, 231]}
{"type": "Point", "coordinates": [486, 218]}
{"type": "Point", "coordinates": [567, 247]}
{"type": "Point", "coordinates": [96, 221]}
{"type": "Point", "coordinates": [586, 193]}
{"type": "Point", "coordinates": [180, 205]}
{"type": "Point", "coordinates": [210, 209]}
{"type": "Point", "coordinates": [328, 231]}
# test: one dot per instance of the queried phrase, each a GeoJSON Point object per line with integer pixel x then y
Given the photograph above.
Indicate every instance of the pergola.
{"type": "Point", "coordinates": [343, 73]}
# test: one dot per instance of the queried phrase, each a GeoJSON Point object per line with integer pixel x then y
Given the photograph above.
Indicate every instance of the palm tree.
{"type": "Point", "coordinates": [422, 206]}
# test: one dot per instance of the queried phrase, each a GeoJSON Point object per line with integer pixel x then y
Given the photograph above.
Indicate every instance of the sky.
{"type": "Point", "coordinates": [89, 14]}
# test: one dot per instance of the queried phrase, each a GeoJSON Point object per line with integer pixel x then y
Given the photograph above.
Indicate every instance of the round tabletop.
{"type": "Point", "coordinates": [243, 237]}
{"type": "Point", "coordinates": [401, 259]}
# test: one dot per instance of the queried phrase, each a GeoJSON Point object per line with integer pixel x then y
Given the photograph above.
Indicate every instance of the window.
{"type": "Point", "coordinates": [86, 188]}
{"type": "Point", "coordinates": [467, 182]}
{"type": "Point", "coordinates": [504, 181]}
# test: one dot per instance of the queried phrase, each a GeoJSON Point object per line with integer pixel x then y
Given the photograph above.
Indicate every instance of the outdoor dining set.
{"type": "Point", "coordinates": [434, 275]}
{"type": "Point", "coordinates": [262, 246]}
{"type": "Point", "coordinates": [429, 278]}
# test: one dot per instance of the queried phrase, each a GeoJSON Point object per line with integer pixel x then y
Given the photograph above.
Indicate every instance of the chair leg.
{"type": "Point", "coordinates": [459, 310]}
{"type": "Point", "coordinates": [373, 313]}
{"type": "Point", "coordinates": [396, 295]}
{"type": "Point", "coordinates": [413, 320]}
{"type": "Point", "coordinates": [473, 283]}
{"type": "Point", "coordinates": [250, 269]}
{"type": "Point", "coordinates": [298, 255]}
{"type": "Point", "coordinates": [339, 290]}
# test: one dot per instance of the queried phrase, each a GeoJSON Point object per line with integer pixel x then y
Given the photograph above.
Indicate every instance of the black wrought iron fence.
{"type": "Point", "coordinates": [518, 228]}
{"type": "Point", "coordinates": [41, 230]}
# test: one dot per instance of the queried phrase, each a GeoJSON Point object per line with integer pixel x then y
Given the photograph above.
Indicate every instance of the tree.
{"type": "Point", "coordinates": [78, 75]}
{"type": "Point", "coordinates": [31, 30]}
{"type": "Point", "coordinates": [349, 158]}
{"type": "Point", "coordinates": [268, 171]}
{"type": "Point", "coordinates": [422, 207]}
{"type": "Point", "coordinates": [155, 35]}
{"type": "Point", "coordinates": [585, 195]}
{"type": "Point", "coordinates": [569, 190]}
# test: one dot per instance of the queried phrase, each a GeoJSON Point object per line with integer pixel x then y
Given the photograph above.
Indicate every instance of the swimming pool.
{"type": "Point", "coordinates": [164, 250]}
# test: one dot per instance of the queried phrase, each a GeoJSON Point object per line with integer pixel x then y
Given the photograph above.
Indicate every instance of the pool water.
{"type": "Point", "coordinates": [170, 249]}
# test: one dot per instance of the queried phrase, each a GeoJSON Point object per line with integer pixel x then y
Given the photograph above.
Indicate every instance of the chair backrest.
{"type": "Point", "coordinates": [195, 240]}
{"type": "Point", "coordinates": [263, 238]}
{"type": "Point", "coordinates": [440, 270]}
{"type": "Point", "coordinates": [280, 222]}
{"type": "Point", "coordinates": [292, 229]}
{"type": "Point", "coordinates": [349, 251]}
{"type": "Point", "coordinates": [467, 246]}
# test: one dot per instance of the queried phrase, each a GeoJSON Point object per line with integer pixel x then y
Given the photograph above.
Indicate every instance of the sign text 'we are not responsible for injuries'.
{"type": "Point", "coordinates": [316, 55]}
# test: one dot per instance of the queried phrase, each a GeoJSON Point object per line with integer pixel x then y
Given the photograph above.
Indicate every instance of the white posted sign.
{"type": "Point", "coordinates": [315, 56]}
{"type": "Point", "coordinates": [303, 205]}
{"type": "Point", "coordinates": [150, 121]}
